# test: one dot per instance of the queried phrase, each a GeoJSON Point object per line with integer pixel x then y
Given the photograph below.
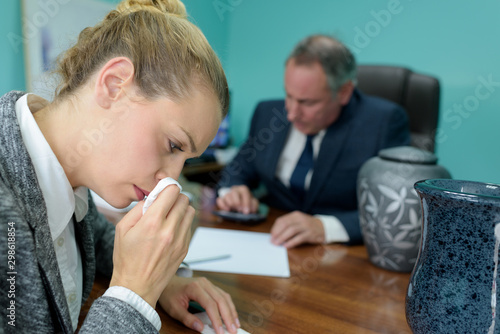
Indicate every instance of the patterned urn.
{"type": "Point", "coordinates": [389, 207]}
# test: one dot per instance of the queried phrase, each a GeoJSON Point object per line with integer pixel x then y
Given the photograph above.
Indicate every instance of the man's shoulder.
{"type": "Point", "coordinates": [375, 102]}
{"type": "Point", "coordinates": [270, 104]}
{"type": "Point", "coordinates": [268, 109]}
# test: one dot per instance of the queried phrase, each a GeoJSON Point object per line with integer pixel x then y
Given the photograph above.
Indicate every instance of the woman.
{"type": "Point", "coordinates": [141, 92]}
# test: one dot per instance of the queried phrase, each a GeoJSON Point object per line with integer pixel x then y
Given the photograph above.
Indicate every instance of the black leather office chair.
{"type": "Point", "coordinates": [418, 94]}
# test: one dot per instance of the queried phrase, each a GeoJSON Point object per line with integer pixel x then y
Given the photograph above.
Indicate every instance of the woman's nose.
{"type": "Point", "coordinates": [171, 168]}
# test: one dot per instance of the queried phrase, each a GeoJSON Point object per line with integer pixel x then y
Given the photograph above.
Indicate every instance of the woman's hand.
{"type": "Point", "coordinates": [216, 302]}
{"type": "Point", "coordinates": [149, 249]}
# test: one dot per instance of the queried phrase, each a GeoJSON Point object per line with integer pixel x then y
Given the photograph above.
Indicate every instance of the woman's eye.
{"type": "Point", "coordinates": [174, 146]}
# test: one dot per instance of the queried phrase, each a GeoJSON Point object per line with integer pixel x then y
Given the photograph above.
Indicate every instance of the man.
{"type": "Point", "coordinates": [308, 149]}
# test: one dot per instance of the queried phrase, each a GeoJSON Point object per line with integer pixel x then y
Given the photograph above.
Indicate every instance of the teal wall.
{"type": "Point", "coordinates": [11, 56]}
{"type": "Point", "coordinates": [455, 40]}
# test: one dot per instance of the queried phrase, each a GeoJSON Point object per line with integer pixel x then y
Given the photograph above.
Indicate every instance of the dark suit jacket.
{"type": "Point", "coordinates": [366, 125]}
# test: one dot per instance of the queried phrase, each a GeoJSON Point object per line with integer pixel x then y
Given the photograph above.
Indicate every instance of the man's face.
{"type": "Point", "coordinates": [310, 103]}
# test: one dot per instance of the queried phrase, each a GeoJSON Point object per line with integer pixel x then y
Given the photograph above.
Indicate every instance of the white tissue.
{"type": "Point", "coordinates": [157, 190]}
{"type": "Point", "coordinates": [208, 329]}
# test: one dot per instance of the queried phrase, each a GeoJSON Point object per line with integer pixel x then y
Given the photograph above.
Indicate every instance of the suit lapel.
{"type": "Point", "coordinates": [47, 261]}
{"type": "Point", "coordinates": [85, 239]}
{"type": "Point", "coordinates": [276, 148]}
{"type": "Point", "coordinates": [329, 153]}
{"type": "Point", "coordinates": [274, 153]}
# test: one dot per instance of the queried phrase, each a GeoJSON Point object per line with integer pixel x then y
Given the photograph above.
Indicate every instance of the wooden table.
{"type": "Point", "coordinates": [332, 289]}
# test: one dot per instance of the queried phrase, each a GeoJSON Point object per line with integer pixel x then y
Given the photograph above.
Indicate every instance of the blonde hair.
{"type": "Point", "coordinates": [169, 53]}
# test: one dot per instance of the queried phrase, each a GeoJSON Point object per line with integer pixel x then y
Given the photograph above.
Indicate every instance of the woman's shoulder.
{"type": "Point", "coordinates": [10, 98]}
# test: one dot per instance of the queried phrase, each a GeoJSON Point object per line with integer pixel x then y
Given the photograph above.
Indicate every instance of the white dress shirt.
{"type": "Point", "coordinates": [62, 202]}
{"type": "Point", "coordinates": [290, 155]}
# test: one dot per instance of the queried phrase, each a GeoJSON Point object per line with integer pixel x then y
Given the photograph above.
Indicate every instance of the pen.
{"type": "Point", "coordinates": [195, 307]}
{"type": "Point", "coordinates": [206, 259]}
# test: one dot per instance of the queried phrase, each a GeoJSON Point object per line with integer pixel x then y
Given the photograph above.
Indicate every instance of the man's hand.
{"type": "Point", "coordinates": [296, 228]}
{"type": "Point", "coordinates": [240, 199]}
{"type": "Point", "coordinates": [149, 248]}
{"type": "Point", "coordinates": [217, 303]}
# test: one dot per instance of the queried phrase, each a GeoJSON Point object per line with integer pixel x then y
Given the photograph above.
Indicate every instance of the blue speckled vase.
{"type": "Point", "coordinates": [453, 286]}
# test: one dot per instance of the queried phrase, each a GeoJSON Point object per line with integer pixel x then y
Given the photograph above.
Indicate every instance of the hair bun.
{"type": "Point", "coordinates": [174, 7]}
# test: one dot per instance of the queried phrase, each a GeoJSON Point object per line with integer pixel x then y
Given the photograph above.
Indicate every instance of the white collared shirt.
{"type": "Point", "coordinates": [290, 155]}
{"type": "Point", "coordinates": [62, 202]}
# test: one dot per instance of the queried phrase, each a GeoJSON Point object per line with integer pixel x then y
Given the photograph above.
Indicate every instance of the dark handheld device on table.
{"type": "Point", "coordinates": [247, 219]}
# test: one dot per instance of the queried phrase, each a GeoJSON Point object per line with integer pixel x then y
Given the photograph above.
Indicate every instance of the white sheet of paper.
{"type": "Point", "coordinates": [208, 329]}
{"type": "Point", "coordinates": [251, 253]}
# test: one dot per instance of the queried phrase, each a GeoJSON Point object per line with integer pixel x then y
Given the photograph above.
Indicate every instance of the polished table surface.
{"type": "Point", "coordinates": [332, 289]}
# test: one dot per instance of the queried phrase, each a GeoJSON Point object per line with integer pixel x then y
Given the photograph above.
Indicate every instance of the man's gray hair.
{"type": "Point", "coordinates": [335, 58]}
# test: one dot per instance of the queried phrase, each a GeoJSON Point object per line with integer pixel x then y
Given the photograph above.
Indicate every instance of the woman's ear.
{"type": "Point", "coordinates": [115, 77]}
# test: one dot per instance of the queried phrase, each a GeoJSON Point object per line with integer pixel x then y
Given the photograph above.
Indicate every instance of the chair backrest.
{"type": "Point", "coordinates": [418, 94]}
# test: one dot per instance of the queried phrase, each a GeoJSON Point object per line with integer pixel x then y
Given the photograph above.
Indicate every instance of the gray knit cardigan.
{"type": "Point", "coordinates": [32, 296]}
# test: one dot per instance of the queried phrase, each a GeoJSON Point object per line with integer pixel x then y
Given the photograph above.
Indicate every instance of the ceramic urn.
{"type": "Point", "coordinates": [389, 207]}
